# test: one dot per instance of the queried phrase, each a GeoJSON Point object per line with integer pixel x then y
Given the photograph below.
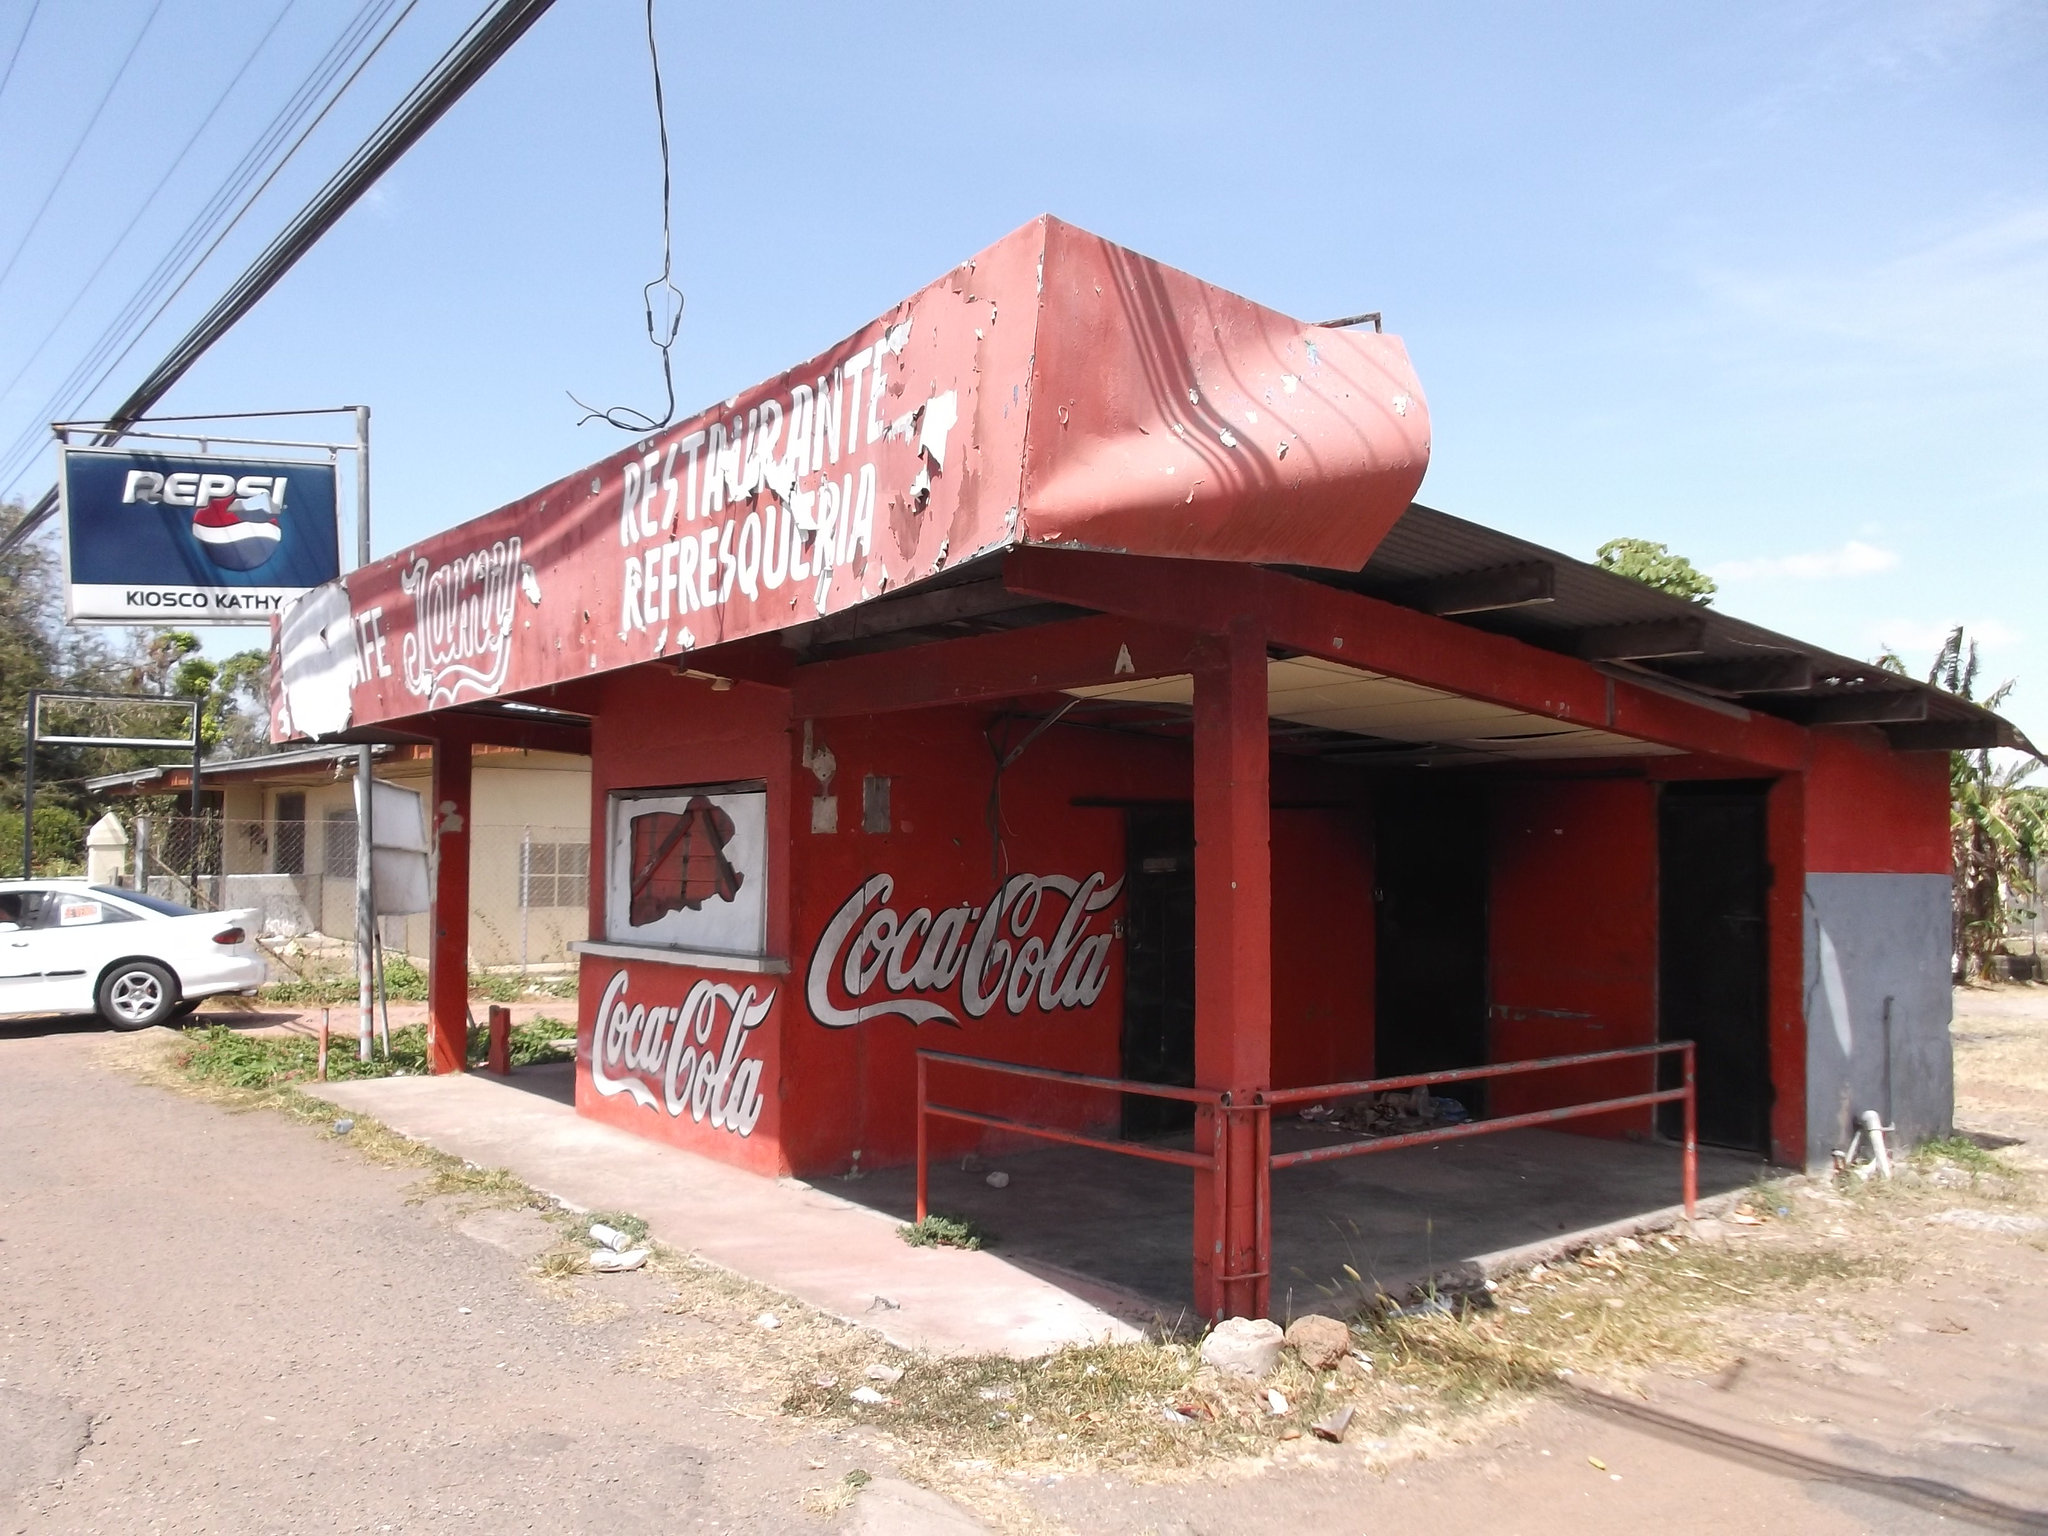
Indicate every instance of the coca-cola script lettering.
{"type": "Point", "coordinates": [463, 617]}
{"type": "Point", "coordinates": [676, 1058]}
{"type": "Point", "coordinates": [872, 956]}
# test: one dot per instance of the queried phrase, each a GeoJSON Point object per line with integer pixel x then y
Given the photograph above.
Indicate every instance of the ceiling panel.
{"type": "Point", "coordinates": [1328, 695]}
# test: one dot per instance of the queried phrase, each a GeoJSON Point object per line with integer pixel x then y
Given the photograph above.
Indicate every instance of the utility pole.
{"type": "Point", "coordinates": [366, 893]}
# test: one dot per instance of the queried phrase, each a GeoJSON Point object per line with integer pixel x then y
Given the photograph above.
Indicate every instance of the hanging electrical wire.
{"type": "Point", "coordinates": [500, 26]}
{"type": "Point", "coordinates": [92, 122]}
{"type": "Point", "coordinates": [149, 202]}
{"type": "Point", "coordinates": [661, 332]}
{"type": "Point", "coordinates": [20, 38]}
{"type": "Point", "coordinates": [300, 116]}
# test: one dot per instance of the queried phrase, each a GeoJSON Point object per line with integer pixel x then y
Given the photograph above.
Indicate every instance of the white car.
{"type": "Point", "coordinates": [67, 946]}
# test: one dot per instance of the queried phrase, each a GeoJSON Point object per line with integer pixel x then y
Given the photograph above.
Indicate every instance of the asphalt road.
{"type": "Point", "coordinates": [219, 1322]}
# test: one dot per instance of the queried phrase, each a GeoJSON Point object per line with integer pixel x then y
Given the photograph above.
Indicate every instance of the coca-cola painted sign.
{"type": "Point", "coordinates": [1040, 941]}
{"type": "Point", "coordinates": [689, 1059]}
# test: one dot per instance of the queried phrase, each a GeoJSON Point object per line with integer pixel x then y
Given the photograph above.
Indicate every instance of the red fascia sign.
{"type": "Point", "coordinates": [1055, 390]}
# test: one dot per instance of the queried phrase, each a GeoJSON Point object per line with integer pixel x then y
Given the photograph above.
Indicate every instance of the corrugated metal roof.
{"type": "Point", "coordinates": [1427, 546]}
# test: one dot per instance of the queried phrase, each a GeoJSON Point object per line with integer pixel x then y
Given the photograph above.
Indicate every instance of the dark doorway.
{"type": "Point", "coordinates": [1159, 964]}
{"type": "Point", "coordinates": [1429, 890]}
{"type": "Point", "coordinates": [1713, 957]}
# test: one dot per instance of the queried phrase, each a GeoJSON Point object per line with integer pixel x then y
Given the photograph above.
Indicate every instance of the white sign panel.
{"type": "Point", "coordinates": [687, 869]}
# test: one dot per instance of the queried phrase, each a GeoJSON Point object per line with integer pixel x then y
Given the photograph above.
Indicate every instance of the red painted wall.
{"type": "Point", "coordinates": [1573, 918]}
{"type": "Point", "coordinates": [654, 727]}
{"type": "Point", "coordinates": [853, 1087]}
{"type": "Point", "coordinates": [829, 1090]}
{"type": "Point", "coordinates": [1870, 810]}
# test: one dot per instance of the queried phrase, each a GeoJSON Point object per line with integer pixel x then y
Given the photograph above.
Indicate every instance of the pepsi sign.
{"type": "Point", "coordinates": [155, 538]}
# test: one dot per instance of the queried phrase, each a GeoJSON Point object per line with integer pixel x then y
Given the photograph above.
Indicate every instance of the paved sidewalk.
{"type": "Point", "coordinates": [840, 1257]}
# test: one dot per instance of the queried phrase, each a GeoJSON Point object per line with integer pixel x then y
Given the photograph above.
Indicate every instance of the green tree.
{"type": "Point", "coordinates": [1998, 823]}
{"type": "Point", "coordinates": [234, 694]}
{"type": "Point", "coordinates": [1655, 566]}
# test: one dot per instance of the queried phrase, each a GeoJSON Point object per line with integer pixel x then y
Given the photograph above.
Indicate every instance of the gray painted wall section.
{"type": "Point", "coordinates": [1877, 948]}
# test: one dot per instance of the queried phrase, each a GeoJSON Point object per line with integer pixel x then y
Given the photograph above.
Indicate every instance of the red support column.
{"type": "Point", "coordinates": [448, 963]}
{"type": "Point", "coordinates": [1233, 968]}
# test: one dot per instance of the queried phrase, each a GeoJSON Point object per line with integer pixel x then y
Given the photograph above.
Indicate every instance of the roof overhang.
{"type": "Point", "coordinates": [1056, 390]}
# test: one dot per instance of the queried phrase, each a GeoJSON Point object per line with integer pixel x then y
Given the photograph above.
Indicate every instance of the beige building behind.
{"type": "Point", "coordinates": [280, 835]}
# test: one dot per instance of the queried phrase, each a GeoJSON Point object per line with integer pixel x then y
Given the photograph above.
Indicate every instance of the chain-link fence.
{"type": "Point", "coordinates": [529, 890]}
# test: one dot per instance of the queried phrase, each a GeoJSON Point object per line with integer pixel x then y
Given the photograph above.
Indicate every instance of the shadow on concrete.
{"type": "Point", "coordinates": [554, 1080]}
{"type": "Point", "coordinates": [1395, 1218]}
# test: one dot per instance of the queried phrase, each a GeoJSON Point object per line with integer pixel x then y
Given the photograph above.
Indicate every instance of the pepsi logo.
{"type": "Point", "coordinates": [237, 535]}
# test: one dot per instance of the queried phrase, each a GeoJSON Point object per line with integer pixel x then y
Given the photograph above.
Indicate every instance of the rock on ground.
{"type": "Point", "coordinates": [1243, 1346]}
{"type": "Point", "coordinates": [1320, 1341]}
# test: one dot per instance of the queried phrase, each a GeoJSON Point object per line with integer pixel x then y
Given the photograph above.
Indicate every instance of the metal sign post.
{"type": "Point", "coordinates": [226, 529]}
{"type": "Point", "coordinates": [366, 799]}
{"type": "Point", "coordinates": [36, 735]}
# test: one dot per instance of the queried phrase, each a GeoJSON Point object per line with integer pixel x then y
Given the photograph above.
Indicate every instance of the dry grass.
{"type": "Point", "coordinates": [2001, 1038]}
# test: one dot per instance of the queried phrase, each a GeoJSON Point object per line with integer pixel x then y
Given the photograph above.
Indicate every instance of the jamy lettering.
{"type": "Point", "coordinates": [461, 639]}
{"type": "Point", "coordinates": [867, 946]}
{"type": "Point", "coordinates": [635, 1045]}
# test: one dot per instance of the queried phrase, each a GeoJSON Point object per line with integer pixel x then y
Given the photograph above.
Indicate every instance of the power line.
{"type": "Point", "coordinates": [90, 124]}
{"type": "Point", "coordinates": [21, 37]}
{"type": "Point", "coordinates": [471, 57]}
{"type": "Point", "coordinates": [624, 417]}
{"type": "Point", "coordinates": [149, 202]}
{"type": "Point", "coordinates": [126, 330]}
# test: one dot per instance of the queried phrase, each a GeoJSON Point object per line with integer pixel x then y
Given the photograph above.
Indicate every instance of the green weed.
{"type": "Point", "coordinates": [943, 1232]}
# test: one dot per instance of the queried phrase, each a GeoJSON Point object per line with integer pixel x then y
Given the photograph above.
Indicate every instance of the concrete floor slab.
{"type": "Point", "coordinates": [1394, 1217]}
{"type": "Point", "coordinates": [1084, 1243]}
{"type": "Point", "coordinates": [841, 1257]}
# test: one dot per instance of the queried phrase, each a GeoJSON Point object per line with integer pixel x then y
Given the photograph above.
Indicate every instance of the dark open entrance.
{"type": "Point", "coordinates": [1159, 964]}
{"type": "Point", "coordinates": [1429, 891]}
{"type": "Point", "coordinates": [1713, 960]}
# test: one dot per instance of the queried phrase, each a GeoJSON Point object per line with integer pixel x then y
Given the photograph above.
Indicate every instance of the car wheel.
{"type": "Point", "coordinates": [185, 1008]}
{"type": "Point", "coordinates": [136, 994]}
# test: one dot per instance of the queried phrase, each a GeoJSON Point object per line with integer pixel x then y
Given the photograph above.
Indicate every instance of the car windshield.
{"type": "Point", "coordinates": [146, 901]}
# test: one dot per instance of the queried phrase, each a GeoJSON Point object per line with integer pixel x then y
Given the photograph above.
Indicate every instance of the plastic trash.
{"type": "Point", "coordinates": [343, 1126]}
{"type": "Point", "coordinates": [607, 1262]}
{"type": "Point", "coordinates": [867, 1395]}
{"type": "Point", "coordinates": [999, 1180]}
{"type": "Point", "coordinates": [609, 1237]}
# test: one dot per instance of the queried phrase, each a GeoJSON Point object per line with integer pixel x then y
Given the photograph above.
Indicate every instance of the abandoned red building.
{"type": "Point", "coordinates": [1060, 672]}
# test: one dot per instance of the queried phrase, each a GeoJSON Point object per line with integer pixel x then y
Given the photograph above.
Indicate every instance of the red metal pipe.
{"type": "Point", "coordinates": [1474, 1128]}
{"type": "Point", "coordinates": [1072, 1138]}
{"type": "Point", "coordinates": [500, 1058]}
{"type": "Point", "coordinates": [1281, 1096]}
{"type": "Point", "coordinates": [922, 1174]}
{"type": "Point", "coordinates": [1053, 1074]}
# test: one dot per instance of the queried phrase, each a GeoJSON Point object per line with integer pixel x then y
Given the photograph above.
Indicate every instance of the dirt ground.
{"type": "Point", "coordinates": [237, 1322]}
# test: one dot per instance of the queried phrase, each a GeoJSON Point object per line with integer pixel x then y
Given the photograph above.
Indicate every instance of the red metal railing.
{"type": "Point", "coordinates": [1276, 1098]}
{"type": "Point", "coordinates": [1215, 1103]}
{"type": "Point", "coordinates": [926, 1110]}
{"type": "Point", "coordinates": [1225, 1123]}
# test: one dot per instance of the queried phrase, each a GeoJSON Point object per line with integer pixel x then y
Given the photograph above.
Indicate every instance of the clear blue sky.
{"type": "Point", "coordinates": [1766, 282]}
